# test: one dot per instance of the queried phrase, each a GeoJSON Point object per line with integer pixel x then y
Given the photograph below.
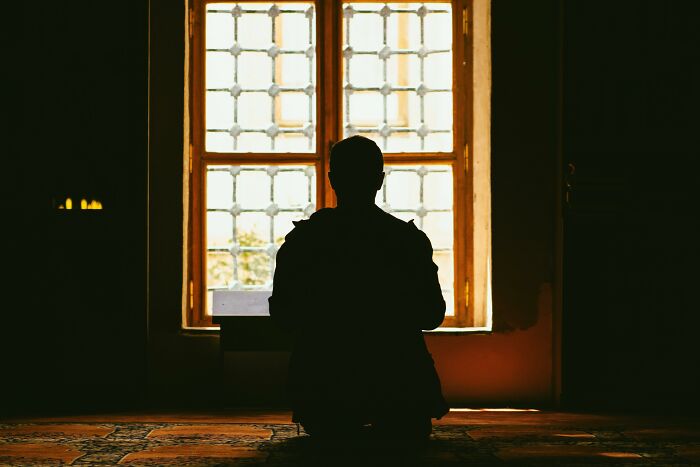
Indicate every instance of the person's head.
{"type": "Point", "coordinates": [357, 170]}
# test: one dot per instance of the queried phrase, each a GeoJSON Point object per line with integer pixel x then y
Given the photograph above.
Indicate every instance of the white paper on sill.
{"type": "Point", "coordinates": [241, 303]}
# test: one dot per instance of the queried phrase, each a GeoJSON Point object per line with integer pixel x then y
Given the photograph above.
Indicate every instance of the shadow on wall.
{"type": "Point", "coordinates": [523, 158]}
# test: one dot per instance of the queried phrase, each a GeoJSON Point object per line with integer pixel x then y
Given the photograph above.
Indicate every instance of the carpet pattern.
{"type": "Point", "coordinates": [462, 439]}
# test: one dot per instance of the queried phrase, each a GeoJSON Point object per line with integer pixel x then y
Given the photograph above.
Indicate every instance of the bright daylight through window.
{"type": "Point", "coordinates": [273, 84]}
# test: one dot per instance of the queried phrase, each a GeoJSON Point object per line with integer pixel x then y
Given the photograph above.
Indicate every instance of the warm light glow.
{"type": "Point", "coordinates": [620, 455]}
{"type": "Point", "coordinates": [503, 409]}
{"type": "Point", "coordinates": [84, 204]}
{"type": "Point", "coordinates": [575, 435]}
{"type": "Point", "coordinates": [480, 155]}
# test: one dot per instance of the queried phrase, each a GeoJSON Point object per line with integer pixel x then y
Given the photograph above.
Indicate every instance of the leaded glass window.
{"type": "Point", "coordinates": [273, 87]}
{"type": "Point", "coordinates": [250, 209]}
{"type": "Point", "coordinates": [397, 74]}
{"type": "Point", "coordinates": [260, 77]}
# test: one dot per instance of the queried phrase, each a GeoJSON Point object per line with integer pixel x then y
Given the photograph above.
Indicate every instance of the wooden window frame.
{"type": "Point", "coordinates": [329, 129]}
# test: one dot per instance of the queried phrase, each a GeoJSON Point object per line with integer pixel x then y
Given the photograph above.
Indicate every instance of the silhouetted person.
{"type": "Point", "coordinates": [356, 286]}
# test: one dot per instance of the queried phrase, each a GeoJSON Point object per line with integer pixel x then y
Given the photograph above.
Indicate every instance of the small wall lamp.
{"type": "Point", "coordinates": [82, 204]}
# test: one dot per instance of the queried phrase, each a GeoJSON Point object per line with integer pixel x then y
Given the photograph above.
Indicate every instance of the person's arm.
{"type": "Point", "coordinates": [429, 302]}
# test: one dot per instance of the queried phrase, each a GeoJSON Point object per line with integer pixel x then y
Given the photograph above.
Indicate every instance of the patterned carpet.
{"type": "Point", "coordinates": [473, 438]}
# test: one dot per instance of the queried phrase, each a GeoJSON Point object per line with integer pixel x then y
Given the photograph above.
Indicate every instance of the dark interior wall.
{"type": "Point", "coordinates": [75, 332]}
{"type": "Point", "coordinates": [167, 82]}
{"type": "Point", "coordinates": [523, 151]}
{"type": "Point", "coordinates": [631, 74]}
{"type": "Point", "coordinates": [182, 365]}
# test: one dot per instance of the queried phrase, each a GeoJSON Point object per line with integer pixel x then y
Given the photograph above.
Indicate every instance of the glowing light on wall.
{"type": "Point", "coordinates": [93, 204]}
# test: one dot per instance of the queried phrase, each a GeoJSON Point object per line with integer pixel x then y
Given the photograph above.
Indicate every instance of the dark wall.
{"type": "Point", "coordinates": [630, 102]}
{"type": "Point", "coordinates": [167, 81]}
{"type": "Point", "coordinates": [523, 157]}
{"type": "Point", "coordinates": [75, 333]}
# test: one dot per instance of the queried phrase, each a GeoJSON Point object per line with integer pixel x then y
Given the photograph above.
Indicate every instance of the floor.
{"type": "Point", "coordinates": [254, 437]}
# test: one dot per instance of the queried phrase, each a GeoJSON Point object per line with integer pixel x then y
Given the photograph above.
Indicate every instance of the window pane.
{"type": "Point", "coordinates": [397, 74]}
{"type": "Point", "coordinates": [424, 194]}
{"type": "Point", "coordinates": [256, 55]}
{"type": "Point", "coordinates": [250, 209]}
{"type": "Point", "coordinates": [220, 268]}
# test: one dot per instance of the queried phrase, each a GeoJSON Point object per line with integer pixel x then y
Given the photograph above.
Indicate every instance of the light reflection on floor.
{"type": "Point", "coordinates": [501, 409]}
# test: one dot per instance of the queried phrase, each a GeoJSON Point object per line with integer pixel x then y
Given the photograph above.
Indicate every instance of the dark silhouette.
{"type": "Point", "coordinates": [356, 286]}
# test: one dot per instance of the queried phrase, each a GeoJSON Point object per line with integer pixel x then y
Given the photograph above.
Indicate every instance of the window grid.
{"type": "Point", "coordinates": [272, 210]}
{"type": "Point", "coordinates": [421, 210]}
{"type": "Point", "coordinates": [385, 130]}
{"type": "Point", "coordinates": [274, 90]}
{"type": "Point", "coordinates": [331, 127]}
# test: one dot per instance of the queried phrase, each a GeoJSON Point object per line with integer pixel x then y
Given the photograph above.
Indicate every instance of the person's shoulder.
{"type": "Point", "coordinates": [400, 225]}
{"type": "Point", "coordinates": [417, 234]}
{"type": "Point", "coordinates": [323, 214]}
{"type": "Point", "coordinates": [409, 233]}
{"type": "Point", "coordinates": [304, 228]}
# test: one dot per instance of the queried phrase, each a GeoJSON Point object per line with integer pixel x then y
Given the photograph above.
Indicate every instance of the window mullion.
{"type": "Point", "coordinates": [330, 108]}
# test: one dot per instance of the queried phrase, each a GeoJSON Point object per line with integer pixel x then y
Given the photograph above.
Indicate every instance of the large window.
{"type": "Point", "coordinates": [274, 84]}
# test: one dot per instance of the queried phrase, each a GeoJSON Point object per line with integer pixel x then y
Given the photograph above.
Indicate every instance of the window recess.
{"type": "Point", "coordinates": [274, 83]}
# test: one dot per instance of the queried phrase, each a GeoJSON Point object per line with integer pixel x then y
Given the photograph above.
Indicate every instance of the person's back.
{"type": "Point", "coordinates": [357, 285]}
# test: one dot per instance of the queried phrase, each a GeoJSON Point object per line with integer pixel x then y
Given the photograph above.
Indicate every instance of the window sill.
{"type": "Point", "coordinates": [200, 329]}
{"type": "Point", "coordinates": [444, 330]}
{"type": "Point", "coordinates": [456, 331]}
